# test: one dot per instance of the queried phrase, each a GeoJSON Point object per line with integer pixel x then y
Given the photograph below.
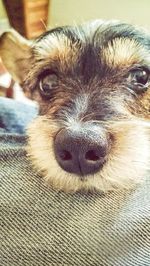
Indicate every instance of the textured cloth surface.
{"type": "Point", "coordinates": [15, 116]}
{"type": "Point", "coordinates": [42, 227]}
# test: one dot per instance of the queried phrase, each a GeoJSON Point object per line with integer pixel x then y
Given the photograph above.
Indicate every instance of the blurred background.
{"type": "Point", "coordinates": [32, 17]}
{"type": "Point", "coordinates": [62, 12]}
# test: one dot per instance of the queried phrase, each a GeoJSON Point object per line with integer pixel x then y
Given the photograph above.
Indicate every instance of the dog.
{"type": "Point", "coordinates": [92, 83]}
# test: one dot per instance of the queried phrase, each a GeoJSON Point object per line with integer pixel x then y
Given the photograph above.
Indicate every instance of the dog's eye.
{"type": "Point", "coordinates": [139, 79]}
{"type": "Point", "coordinates": [47, 83]}
{"type": "Point", "coordinates": [139, 76]}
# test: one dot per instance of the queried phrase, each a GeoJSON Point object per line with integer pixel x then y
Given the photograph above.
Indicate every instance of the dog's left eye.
{"type": "Point", "coordinates": [47, 83]}
{"type": "Point", "coordinates": [139, 79]}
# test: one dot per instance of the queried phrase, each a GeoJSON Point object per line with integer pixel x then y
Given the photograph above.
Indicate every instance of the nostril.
{"type": "Point", "coordinates": [83, 152]}
{"type": "Point", "coordinates": [65, 155]}
{"type": "Point", "coordinates": [91, 156]}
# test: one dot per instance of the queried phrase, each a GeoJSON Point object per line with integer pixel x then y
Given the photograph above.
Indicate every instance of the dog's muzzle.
{"type": "Point", "coordinates": [83, 150]}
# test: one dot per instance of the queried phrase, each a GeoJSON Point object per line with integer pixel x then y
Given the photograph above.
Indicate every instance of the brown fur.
{"type": "Point", "coordinates": [88, 91]}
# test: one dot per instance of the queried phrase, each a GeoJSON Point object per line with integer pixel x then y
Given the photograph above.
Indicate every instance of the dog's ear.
{"type": "Point", "coordinates": [15, 52]}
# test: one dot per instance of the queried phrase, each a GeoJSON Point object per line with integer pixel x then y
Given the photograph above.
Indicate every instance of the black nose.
{"type": "Point", "coordinates": [81, 151]}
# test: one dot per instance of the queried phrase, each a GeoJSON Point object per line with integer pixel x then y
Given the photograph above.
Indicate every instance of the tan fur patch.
{"type": "Point", "coordinates": [59, 48]}
{"type": "Point", "coordinates": [124, 52]}
{"type": "Point", "coordinates": [126, 166]}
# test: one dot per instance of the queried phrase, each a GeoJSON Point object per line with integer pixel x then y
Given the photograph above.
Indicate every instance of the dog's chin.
{"type": "Point", "coordinates": [126, 166]}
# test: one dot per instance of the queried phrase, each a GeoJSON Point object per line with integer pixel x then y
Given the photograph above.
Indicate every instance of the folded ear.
{"type": "Point", "coordinates": [15, 52]}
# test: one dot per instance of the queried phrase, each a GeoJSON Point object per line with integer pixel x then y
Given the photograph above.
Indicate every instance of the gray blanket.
{"type": "Point", "coordinates": [42, 227]}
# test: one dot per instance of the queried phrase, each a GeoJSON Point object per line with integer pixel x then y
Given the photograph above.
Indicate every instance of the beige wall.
{"type": "Point", "coordinates": [70, 11]}
{"type": "Point", "coordinates": [2, 10]}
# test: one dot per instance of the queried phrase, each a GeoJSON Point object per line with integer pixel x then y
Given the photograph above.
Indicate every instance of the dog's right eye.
{"type": "Point", "coordinates": [47, 83]}
{"type": "Point", "coordinates": [139, 80]}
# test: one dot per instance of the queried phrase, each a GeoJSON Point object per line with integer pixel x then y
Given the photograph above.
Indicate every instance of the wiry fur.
{"type": "Point", "coordinates": [125, 167]}
{"type": "Point", "coordinates": [92, 62]}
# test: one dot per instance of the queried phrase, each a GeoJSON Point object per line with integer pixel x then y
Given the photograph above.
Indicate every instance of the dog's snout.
{"type": "Point", "coordinates": [81, 152]}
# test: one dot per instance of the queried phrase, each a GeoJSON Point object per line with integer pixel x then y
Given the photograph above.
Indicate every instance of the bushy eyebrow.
{"type": "Point", "coordinates": [125, 52]}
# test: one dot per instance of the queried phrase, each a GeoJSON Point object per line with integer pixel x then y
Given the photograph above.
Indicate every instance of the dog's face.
{"type": "Point", "coordinates": [92, 83]}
